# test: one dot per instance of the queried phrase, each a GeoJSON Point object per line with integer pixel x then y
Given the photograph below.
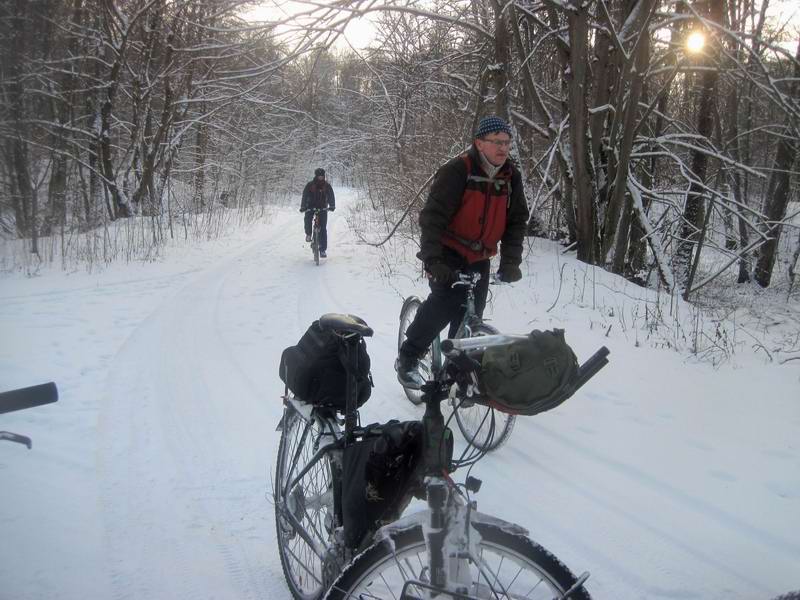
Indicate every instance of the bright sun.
{"type": "Point", "coordinates": [695, 42]}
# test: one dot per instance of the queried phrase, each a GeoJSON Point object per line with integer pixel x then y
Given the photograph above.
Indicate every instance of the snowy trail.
{"type": "Point", "coordinates": [150, 477]}
{"type": "Point", "coordinates": [200, 433]}
{"type": "Point", "coordinates": [195, 388]}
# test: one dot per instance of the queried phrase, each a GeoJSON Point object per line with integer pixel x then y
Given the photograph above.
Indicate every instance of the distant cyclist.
{"type": "Point", "coordinates": [318, 193]}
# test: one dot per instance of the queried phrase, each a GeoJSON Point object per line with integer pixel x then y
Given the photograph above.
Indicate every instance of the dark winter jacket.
{"type": "Point", "coordinates": [318, 195]}
{"type": "Point", "coordinates": [470, 217]}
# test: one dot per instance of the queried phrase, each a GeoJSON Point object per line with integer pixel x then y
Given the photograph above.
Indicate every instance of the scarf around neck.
{"type": "Point", "coordinates": [488, 167]}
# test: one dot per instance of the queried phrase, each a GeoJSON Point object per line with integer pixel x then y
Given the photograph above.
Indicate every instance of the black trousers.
{"type": "Point", "coordinates": [444, 305]}
{"type": "Point", "coordinates": [323, 227]}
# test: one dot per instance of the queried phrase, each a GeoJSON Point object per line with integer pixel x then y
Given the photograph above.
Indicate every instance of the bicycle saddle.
{"type": "Point", "coordinates": [345, 324]}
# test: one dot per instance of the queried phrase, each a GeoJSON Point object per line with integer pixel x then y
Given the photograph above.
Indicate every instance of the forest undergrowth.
{"type": "Point", "coordinates": [723, 323]}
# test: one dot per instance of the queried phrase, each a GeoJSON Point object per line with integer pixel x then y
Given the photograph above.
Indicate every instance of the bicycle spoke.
{"type": "Point", "coordinates": [302, 564]}
{"type": "Point", "coordinates": [388, 587]}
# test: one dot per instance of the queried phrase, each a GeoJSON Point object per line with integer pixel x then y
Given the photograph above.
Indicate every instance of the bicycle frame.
{"type": "Point", "coordinates": [471, 317]}
{"type": "Point", "coordinates": [468, 321]}
{"type": "Point", "coordinates": [316, 226]}
{"type": "Point", "coordinates": [452, 527]}
{"type": "Point", "coordinates": [452, 542]}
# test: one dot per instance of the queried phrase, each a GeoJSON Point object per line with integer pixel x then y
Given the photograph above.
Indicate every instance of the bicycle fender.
{"type": "Point", "coordinates": [302, 408]}
{"type": "Point", "coordinates": [422, 519]}
{"type": "Point", "coordinates": [409, 300]}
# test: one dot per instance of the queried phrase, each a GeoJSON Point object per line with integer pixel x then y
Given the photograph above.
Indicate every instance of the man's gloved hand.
{"type": "Point", "coordinates": [439, 272]}
{"type": "Point", "coordinates": [302, 210]}
{"type": "Point", "coordinates": [331, 208]}
{"type": "Point", "coordinates": [509, 273]}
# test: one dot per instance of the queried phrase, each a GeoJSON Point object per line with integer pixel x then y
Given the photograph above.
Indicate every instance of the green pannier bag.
{"type": "Point", "coordinates": [529, 376]}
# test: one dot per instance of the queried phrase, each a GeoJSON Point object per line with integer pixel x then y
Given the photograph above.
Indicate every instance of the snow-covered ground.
{"type": "Point", "coordinates": [666, 477]}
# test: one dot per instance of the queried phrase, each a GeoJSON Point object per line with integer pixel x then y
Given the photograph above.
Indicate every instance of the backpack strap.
{"type": "Point", "coordinates": [498, 183]}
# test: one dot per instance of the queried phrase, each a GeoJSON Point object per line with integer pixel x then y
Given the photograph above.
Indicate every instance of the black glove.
{"type": "Point", "coordinates": [509, 273]}
{"type": "Point", "coordinates": [439, 272]}
{"type": "Point", "coordinates": [302, 210]}
{"type": "Point", "coordinates": [331, 208]}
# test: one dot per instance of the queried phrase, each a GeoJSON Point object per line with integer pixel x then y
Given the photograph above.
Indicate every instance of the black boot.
{"type": "Point", "coordinates": [408, 374]}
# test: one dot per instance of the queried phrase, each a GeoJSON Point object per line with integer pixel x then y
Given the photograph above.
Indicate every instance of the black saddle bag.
{"type": "Point", "coordinates": [315, 369]}
{"type": "Point", "coordinates": [379, 476]}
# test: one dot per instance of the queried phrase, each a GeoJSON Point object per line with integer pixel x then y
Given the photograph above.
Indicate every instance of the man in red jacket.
{"type": "Point", "coordinates": [476, 201]}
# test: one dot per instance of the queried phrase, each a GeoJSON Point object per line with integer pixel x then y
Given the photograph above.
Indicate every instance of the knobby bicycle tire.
{"type": "Point", "coordinates": [311, 503]}
{"type": "Point", "coordinates": [516, 567]}
{"type": "Point", "coordinates": [407, 313]}
{"type": "Point", "coordinates": [483, 427]}
{"type": "Point", "coordinates": [315, 243]}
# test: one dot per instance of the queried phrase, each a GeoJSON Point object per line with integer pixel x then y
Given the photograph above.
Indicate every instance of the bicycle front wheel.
{"type": "Point", "coordinates": [407, 314]}
{"type": "Point", "coordinates": [315, 244]}
{"type": "Point", "coordinates": [482, 427]}
{"type": "Point", "coordinates": [304, 511]}
{"type": "Point", "coordinates": [508, 566]}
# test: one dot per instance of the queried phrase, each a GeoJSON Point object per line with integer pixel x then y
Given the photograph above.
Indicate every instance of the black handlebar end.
{"type": "Point", "coordinates": [28, 397]}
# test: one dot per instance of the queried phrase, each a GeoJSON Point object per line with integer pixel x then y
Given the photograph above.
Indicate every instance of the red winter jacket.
{"type": "Point", "coordinates": [470, 213]}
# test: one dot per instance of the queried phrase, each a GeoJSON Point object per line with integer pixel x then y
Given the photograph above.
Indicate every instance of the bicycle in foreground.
{"type": "Point", "coordinates": [21, 399]}
{"type": "Point", "coordinates": [482, 426]}
{"type": "Point", "coordinates": [449, 551]}
{"type": "Point", "coordinates": [315, 232]}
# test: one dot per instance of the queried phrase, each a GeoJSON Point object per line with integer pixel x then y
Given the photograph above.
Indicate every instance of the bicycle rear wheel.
{"type": "Point", "coordinates": [482, 427]}
{"type": "Point", "coordinates": [508, 566]}
{"type": "Point", "coordinates": [304, 512]}
{"type": "Point", "coordinates": [407, 313]}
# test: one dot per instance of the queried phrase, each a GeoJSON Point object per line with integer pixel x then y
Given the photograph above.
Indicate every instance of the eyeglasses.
{"type": "Point", "coordinates": [499, 143]}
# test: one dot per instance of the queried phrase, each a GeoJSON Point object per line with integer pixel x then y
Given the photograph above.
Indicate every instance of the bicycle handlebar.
{"type": "Point", "coordinates": [458, 350]}
{"type": "Point", "coordinates": [471, 279]}
{"type": "Point", "coordinates": [35, 395]}
{"type": "Point", "coordinates": [452, 347]}
{"type": "Point", "coordinates": [589, 369]}
{"type": "Point", "coordinates": [28, 397]}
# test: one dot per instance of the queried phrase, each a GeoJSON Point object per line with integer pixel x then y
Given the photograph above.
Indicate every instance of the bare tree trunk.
{"type": "Point", "coordinates": [694, 208]}
{"type": "Point", "coordinates": [502, 61]}
{"type": "Point", "coordinates": [779, 188]}
{"type": "Point", "coordinates": [615, 233]}
{"type": "Point", "coordinates": [153, 154]}
{"type": "Point", "coordinates": [793, 265]}
{"type": "Point", "coordinates": [565, 196]}
{"type": "Point", "coordinates": [27, 193]}
{"type": "Point", "coordinates": [201, 147]}
{"type": "Point", "coordinates": [735, 178]}
{"type": "Point", "coordinates": [18, 159]}
{"type": "Point", "coordinates": [585, 212]}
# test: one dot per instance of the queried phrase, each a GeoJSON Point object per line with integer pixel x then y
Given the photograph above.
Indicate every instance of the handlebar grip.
{"type": "Point", "coordinates": [589, 369]}
{"type": "Point", "coordinates": [28, 397]}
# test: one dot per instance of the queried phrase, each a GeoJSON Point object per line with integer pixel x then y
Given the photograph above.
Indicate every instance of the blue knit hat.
{"type": "Point", "coordinates": [492, 124]}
